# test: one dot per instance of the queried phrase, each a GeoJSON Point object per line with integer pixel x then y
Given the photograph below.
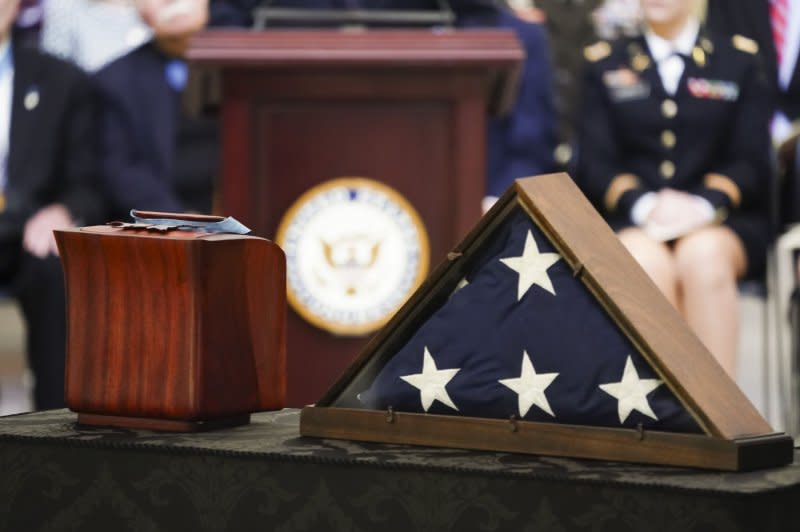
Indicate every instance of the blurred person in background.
{"type": "Point", "coordinates": [133, 50]}
{"type": "Point", "coordinates": [522, 142]}
{"type": "Point", "coordinates": [91, 33]}
{"type": "Point", "coordinates": [146, 146]}
{"type": "Point", "coordinates": [47, 182]}
{"type": "Point", "coordinates": [674, 151]}
{"type": "Point", "coordinates": [572, 25]}
{"type": "Point", "coordinates": [775, 26]}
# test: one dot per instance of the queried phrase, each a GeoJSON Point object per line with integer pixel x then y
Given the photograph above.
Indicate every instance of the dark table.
{"type": "Point", "coordinates": [264, 476]}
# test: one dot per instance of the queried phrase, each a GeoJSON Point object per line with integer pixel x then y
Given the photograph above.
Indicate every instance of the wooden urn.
{"type": "Point", "coordinates": [171, 329]}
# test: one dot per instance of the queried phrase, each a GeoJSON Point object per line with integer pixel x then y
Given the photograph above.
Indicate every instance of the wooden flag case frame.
{"type": "Point", "coordinates": [735, 436]}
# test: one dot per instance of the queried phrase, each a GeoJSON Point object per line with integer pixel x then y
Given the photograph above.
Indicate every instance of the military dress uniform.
{"type": "Point", "coordinates": [710, 138]}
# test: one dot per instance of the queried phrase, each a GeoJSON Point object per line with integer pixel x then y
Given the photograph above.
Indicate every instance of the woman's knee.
{"type": "Point", "coordinates": [711, 258]}
{"type": "Point", "coordinates": [654, 257]}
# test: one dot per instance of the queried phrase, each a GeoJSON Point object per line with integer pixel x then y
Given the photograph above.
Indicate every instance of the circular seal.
{"type": "Point", "coordinates": [355, 251]}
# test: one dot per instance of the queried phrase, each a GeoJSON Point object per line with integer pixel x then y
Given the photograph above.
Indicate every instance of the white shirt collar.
{"type": "Point", "coordinates": [683, 43]}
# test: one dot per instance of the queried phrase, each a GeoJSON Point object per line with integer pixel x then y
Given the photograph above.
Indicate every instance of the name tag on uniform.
{"type": "Point", "coordinates": [713, 89]}
{"type": "Point", "coordinates": [624, 84]}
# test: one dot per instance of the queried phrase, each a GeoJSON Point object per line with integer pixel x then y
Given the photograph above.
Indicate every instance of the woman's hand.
{"type": "Point", "coordinates": [677, 213]}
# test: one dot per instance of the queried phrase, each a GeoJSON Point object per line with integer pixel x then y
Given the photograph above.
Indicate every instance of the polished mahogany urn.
{"type": "Point", "coordinates": [171, 329]}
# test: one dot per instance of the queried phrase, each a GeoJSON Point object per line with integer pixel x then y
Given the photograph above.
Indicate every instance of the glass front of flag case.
{"type": "Point", "coordinates": [540, 334]}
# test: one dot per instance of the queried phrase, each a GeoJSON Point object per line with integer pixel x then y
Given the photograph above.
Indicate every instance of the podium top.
{"type": "Point", "coordinates": [388, 48]}
{"type": "Point", "coordinates": [494, 54]}
{"type": "Point", "coordinates": [304, 17]}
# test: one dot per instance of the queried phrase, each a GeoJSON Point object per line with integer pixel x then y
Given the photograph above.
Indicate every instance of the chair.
{"type": "Point", "coordinates": [786, 365]}
{"type": "Point", "coordinates": [786, 247]}
{"type": "Point", "coordinates": [756, 351]}
{"type": "Point", "coordinates": [764, 369]}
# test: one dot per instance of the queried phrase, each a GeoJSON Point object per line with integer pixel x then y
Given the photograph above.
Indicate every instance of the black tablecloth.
{"type": "Point", "coordinates": [264, 476]}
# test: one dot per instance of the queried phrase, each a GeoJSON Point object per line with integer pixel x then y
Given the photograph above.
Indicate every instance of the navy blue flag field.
{"type": "Point", "coordinates": [523, 337]}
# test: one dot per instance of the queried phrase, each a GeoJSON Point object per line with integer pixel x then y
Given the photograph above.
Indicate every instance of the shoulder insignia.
{"type": "Point", "coordinates": [597, 51]}
{"type": "Point", "coordinates": [740, 42]}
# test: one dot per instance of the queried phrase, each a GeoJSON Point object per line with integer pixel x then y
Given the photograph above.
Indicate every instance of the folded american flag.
{"type": "Point", "coordinates": [523, 337]}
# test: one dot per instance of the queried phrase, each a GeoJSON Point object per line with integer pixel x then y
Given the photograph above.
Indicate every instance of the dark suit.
{"type": "Point", "coordinates": [139, 114]}
{"type": "Point", "coordinates": [50, 160]}
{"type": "Point", "coordinates": [636, 138]}
{"type": "Point", "coordinates": [751, 19]}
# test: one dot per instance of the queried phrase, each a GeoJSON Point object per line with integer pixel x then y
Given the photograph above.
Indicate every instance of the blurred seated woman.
{"type": "Point", "coordinates": [674, 151]}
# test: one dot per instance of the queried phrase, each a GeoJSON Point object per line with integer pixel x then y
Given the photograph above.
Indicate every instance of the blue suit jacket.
{"type": "Point", "coordinates": [521, 143]}
{"type": "Point", "coordinates": [137, 124]}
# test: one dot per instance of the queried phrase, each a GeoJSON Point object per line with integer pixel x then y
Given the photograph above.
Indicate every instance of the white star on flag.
{"type": "Point", "coordinates": [530, 387]}
{"type": "Point", "coordinates": [631, 392]}
{"type": "Point", "coordinates": [532, 267]}
{"type": "Point", "coordinates": [431, 382]}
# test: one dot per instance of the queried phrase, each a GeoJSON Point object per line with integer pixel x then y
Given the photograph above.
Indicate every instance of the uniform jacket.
{"type": "Point", "coordinates": [138, 113]}
{"type": "Point", "coordinates": [50, 157]}
{"type": "Point", "coordinates": [710, 138]}
{"type": "Point", "coordinates": [521, 143]}
{"type": "Point", "coordinates": [636, 138]}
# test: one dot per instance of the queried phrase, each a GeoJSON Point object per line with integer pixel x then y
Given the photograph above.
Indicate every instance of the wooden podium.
{"type": "Point", "coordinates": [406, 108]}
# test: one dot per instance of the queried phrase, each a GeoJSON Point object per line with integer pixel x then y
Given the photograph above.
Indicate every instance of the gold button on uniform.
{"type": "Point", "coordinates": [699, 56]}
{"type": "Point", "coordinates": [667, 169]}
{"type": "Point", "coordinates": [562, 153]}
{"type": "Point", "coordinates": [668, 138]}
{"type": "Point", "coordinates": [640, 62]}
{"type": "Point", "coordinates": [669, 108]}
